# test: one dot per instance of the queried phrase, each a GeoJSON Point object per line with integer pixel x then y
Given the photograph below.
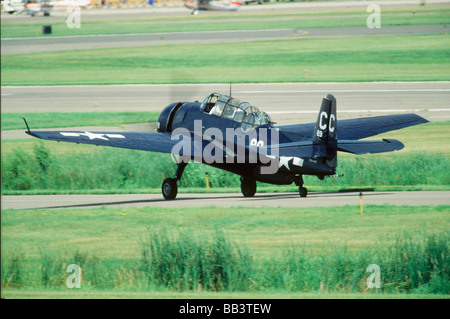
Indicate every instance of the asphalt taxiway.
{"type": "Point", "coordinates": [412, 198]}
{"type": "Point", "coordinates": [286, 103]}
{"type": "Point", "coordinates": [50, 44]}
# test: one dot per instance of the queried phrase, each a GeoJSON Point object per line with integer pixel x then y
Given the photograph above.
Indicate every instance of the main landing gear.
{"type": "Point", "coordinates": [298, 180]}
{"type": "Point", "coordinates": [248, 186]}
{"type": "Point", "coordinates": [169, 185]}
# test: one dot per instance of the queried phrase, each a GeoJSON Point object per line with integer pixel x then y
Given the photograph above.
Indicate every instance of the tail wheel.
{"type": "Point", "coordinates": [303, 191]}
{"type": "Point", "coordinates": [169, 188]}
{"type": "Point", "coordinates": [248, 186]}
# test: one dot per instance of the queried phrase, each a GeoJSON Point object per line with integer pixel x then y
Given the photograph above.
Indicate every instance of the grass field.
{"type": "Point", "coordinates": [276, 252]}
{"type": "Point", "coordinates": [294, 19]}
{"type": "Point", "coordinates": [12, 121]}
{"type": "Point", "coordinates": [396, 58]}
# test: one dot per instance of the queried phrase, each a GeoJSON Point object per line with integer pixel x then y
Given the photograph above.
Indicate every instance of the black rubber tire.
{"type": "Point", "coordinates": [248, 186]}
{"type": "Point", "coordinates": [169, 188]}
{"type": "Point", "coordinates": [303, 191]}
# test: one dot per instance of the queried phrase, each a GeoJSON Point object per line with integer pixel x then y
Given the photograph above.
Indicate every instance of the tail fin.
{"type": "Point", "coordinates": [325, 131]}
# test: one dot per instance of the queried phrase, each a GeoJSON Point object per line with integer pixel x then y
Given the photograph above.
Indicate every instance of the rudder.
{"type": "Point", "coordinates": [325, 130]}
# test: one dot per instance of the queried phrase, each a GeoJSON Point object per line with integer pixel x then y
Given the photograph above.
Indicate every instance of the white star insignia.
{"type": "Point", "coordinates": [284, 161]}
{"type": "Point", "coordinates": [94, 135]}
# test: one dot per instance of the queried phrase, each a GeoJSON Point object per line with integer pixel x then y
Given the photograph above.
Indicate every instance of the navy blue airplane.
{"type": "Point", "coordinates": [237, 137]}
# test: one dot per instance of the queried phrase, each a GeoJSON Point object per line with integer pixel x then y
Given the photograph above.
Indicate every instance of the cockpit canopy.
{"type": "Point", "coordinates": [233, 109]}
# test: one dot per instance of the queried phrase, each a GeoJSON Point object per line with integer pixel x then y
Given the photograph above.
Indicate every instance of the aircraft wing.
{"type": "Point", "coordinates": [355, 129]}
{"type": "Point", "coordinates": [145, 141]}
{"type": "Point", "coordinates": [182, 143]}
{"type": "Point", "coordinates": [297, 149]}
{"type": "Point", "coordinates": [163, 143]}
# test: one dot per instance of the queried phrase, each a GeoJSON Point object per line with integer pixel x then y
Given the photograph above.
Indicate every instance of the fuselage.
{"type": "Point", "coordinates": [230, 136]}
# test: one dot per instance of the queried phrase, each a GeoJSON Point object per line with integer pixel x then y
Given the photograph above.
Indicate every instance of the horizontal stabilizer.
{"type": "Point", "coordinates": [298, 149]}
{"type": "Point", "coordinates": [355, 129]}
{"type": "Point", "coordinates": [369, 147]}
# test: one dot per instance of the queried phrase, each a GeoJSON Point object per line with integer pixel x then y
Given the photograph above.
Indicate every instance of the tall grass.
{"type": "Point", "coordinates": [13, 270]}
{"type": "Point", "coordinates": [420, 264]}
{"type": "Point", "coordinates": [186, 261]}
{"type": "Point", "coordinates": [118, 169]}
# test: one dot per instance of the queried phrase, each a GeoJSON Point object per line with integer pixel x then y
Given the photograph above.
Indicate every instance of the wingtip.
{"type": "Point", "coordinates": [28, 128]}
{"type": "Point", "coordinates": [421, 119]}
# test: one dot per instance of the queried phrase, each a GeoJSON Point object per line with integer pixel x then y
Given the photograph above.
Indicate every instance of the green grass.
{"type": "Point", "coordinates": [240, 21]}
{"type": "Point", "coordinates": [431, 137]}
{"type": "Point", "coordinates": [258, 252]}
{"type": "Point", "coordinates": [396, 58]}
{"type": "Point", "coordinates": [118, 233]}
{"type": "Point", "coordinates": [13, 121]}
{"type": "Point", "coordinates": [136, 171]}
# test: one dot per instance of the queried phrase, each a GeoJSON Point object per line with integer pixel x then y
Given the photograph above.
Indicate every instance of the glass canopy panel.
{"type": "Point", "coordinates": [236, 110]}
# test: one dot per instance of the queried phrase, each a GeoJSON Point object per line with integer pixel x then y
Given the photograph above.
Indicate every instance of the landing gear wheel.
{"type": "Point", "coordinates": [248, 186]}
{"type": "Point", "coordinates": [169, 188]}
{"type": "Point", "coordinates": [303, 191]}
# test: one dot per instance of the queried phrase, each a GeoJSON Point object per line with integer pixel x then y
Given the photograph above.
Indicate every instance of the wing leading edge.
{"type": "Point", "coordinates": [144, 141]}
{"type": "Point", "coordinates": [147, 141]}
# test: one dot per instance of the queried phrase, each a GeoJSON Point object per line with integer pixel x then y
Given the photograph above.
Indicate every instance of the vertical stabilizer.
{"type": "Point", "coordinates": [325, 131]}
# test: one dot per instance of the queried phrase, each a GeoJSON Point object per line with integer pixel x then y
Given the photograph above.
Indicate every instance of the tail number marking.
{"type": "Point", "coordinates": [323, 123]}
{"type": "Point", "coordinates": [332, 123]}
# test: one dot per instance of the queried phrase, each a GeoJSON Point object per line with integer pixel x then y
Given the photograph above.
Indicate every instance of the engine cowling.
{"type": "Point", "coordinates": [165, 119]}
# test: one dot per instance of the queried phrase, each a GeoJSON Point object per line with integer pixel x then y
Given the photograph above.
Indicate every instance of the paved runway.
{"type": "Point", "coordinates": [354, 98]}
{"type": "Point", "coordinates": [227, 200]}
{"type": "Point", "coordinates": [287, 103]}
{"type": "Point", "coordinates": [47, 44]}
